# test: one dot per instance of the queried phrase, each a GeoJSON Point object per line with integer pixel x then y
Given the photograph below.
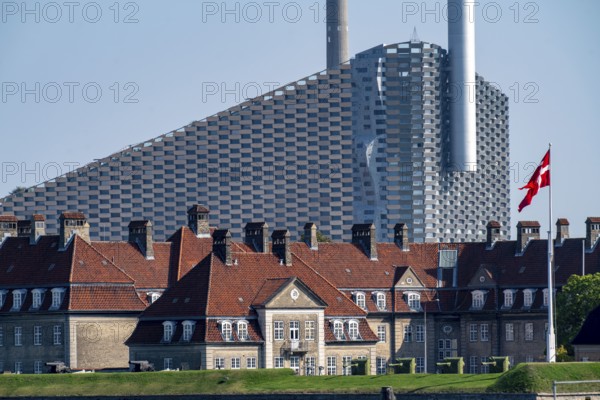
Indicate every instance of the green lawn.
{"type": "Point", "coordinates": [524, 379]}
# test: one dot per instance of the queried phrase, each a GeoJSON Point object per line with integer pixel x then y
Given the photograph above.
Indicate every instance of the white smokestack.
{"type": "Point", "coordinates": [461, 47]}
{"type": "Point", "coordinates": [337, 32]}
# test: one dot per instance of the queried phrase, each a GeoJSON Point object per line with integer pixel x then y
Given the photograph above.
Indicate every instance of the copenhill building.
{"type": "Point", "coordinates": [403, 133]}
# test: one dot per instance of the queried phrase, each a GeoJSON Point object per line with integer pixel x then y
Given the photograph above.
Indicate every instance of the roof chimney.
{"type": "Point", "coordinates": [140, 233]}
{"type": "Point", "coordinates": [8, 226]}
{"type": "Point", "coordinates": [526, 231]}
{"type": "Point", "coordinates": [365, 236]}
{"type": "Point", "coordinates": [562, 231]}
{"type": "Point", "coordinates": [310, 236]}
{"type": "Point", "coordinates": [33, 228]}
{"type": "Point", "coordinates": [222, 245]}
{"type": "Point", "coordinates": [72, 223]}
{"type": "Point", "coordinates": [257, 236]}
{"type": "Point", "coordinates": [592, 231]}
{"type": "Point", "coordinates": [401, 236]}
{"type": "Point", "coordinates": [337, 32]}
{"type": "Point", "coordinates": [198, 221]}
{"type": "Point", "coordinates": [493, 233]}
{"type": "Point", "coordinates": [281, 246]}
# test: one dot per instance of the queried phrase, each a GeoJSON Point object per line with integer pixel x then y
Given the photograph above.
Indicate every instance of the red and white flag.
{"type": "Point", "coordinates": [539, 179]}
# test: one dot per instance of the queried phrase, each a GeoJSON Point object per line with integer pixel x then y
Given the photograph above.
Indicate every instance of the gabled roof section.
{"type": "Point", "coordinates": [272, 289]}
{"type": "Point", "coordinates": [90, 266]}
{"type": "Point", "coordinates": [407, 278]}
{"type": "Point", "coordinates": [484, 277]}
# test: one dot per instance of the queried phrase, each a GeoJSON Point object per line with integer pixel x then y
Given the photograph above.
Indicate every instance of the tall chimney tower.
{"type": "Point", "coordinates": [461, 48]}
{"type": "Point", "coordinates": [337, 32]}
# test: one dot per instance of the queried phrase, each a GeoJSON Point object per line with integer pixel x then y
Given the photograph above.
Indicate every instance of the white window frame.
{"type": "Point", "coordinates": [529, 331]}
{"type": "Point", "coordinates": [18, 299]}
{"type": "Point", "coordinates": [251, 363]}
{"type": "Point", "coordinates": [413, 300]}
{"type": "Point", "coordinates": [18, 335]}
{"type": "Point", "coordinates": [346, 365]}
{"type": "Point", "coordinates": [527, 298]}
{"type": "Point", "coordinates": [57, 335]}
{"type": "Point", "coordinates": [219, 363]}
{"type": "Point", "coordinates": [509, 329]}
{"type": "Point", "coordinates": [294, 330]}
{"type": "Point", "coordinates": [37, 335]}
{"type": "Point", "coordinates": [295, 364]}
{"type": "Point", "coordinates": [382, 333]}
{"type": "Point", "coordinates": [477, 299]}
{"type": "Point", "coordinates": [242, 330]}
{"type": "Point", "coordinates": [310, 365]}
{"type": "Point", "coordinates": [473, 334]}
{"type": "Point", "coordinates": [338, 330]}
{"type": "Point", "coordinates": [419, 333]}
{"type": "Point", "coordinates": [18, 367]}
{"type": "Point", "coordinates": [353, 330]}
{"type": "Point", "coordinates": [420, 365]}
{"type": "Point", "coordinates": [484, 332]}
{"type": "Point", "coordinates": [408, 333]}
{"type": "Point", "coordinates": [236, 363]}
{"type": "Point", "coordinates": [188, 330]}
{"type": "Point", "coordinates": [380, 301]}
{"type": "Point", "coordinates": [37, 367]}
{"type": "Point", "coordinates": [167, 363]}
{"type": "Point", "coordinates": [278, 362]}
{"type": "Point", "coordinates": [380, 366]}
{"type": "Point", "coordinates": [57, 297]}
{"type": "Point", "coordinates": [473, 365]}
{"type": "Point", "coordinates": [36, 298]}
{"type": "Point", "coordinates": [509, 298]}
{"type": "Point", "coordinates": [278, 333]}
{"type": "Point", "coordinates": [226, 331]}
{"type": "Point", "coordinates": [309, 330]}
{"type": "Point", "coordinates": [168, 331]}
{"type": "Point", "coordinates": [331, 365]}
{"type": "Point", "coordinates": [484, 368]}
{"type": "Point", "coordinates": [360, 299]}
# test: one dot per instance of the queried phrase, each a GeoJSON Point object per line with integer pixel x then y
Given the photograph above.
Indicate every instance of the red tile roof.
{"type": "Point", "coordinates": [72, 215]}
{"type": "Point", "coordinates": [104, 298]}
{"type": "Point", "coordinates": [8, 218]}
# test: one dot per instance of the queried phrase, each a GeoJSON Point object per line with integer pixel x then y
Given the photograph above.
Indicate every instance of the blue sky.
{"type": "Point", "coordinates": [82, 80]}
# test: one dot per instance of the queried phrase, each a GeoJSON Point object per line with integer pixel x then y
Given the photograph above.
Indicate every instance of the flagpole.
{"type": "Point", "coordinates": [551, 340]}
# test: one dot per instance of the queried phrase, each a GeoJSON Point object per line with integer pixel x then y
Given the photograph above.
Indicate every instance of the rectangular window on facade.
{"type": "Point", "coordinates": [331, 365]}
{"type": "Point", "coordinates": [381, 366]}
{"type": "Point", "coordinates": [167, 363]}
{"type": "Point", "coordinates": [485, 369]}
{"type": "Point", "coordinates": [277, 330]}
{"type": "Point", "coordinates": [529, 359]}
{"type": "Point", "coordinates": [18, 367]}
{"type": "Point", "coordinates": [295, 364]}
{"type": "Point", "coordinates": [473, 364]}
{"type": "Point", "coordinates": [309, 330]}
{"type": "Point", "coordinates": [420, 333]}
{"type": "Point", "coordinates": [529, 331]}
{"type": "Point", "coordinates": [57, 334]}
{"type": "Point", "coordinates": [420, 365]}
{"type": "Point", "coordinates": [473, 332]}
{"type": "Point", "coordinates": [37, 335]}
{"type": "Point", "coordinates": [310, 364]}
{"type": "Point", "coordinates": [407, 333]}
{"type": "Point", "coordinates": [381, 333]}
{"type": "Point", "coordinates": [235, 363]}
{"type": "Point", "coordinates": [37, 367]}
{"type": "Point", "coordinates": [278, 362]}
{"type": "Point", "coordinates": [484, 332]}
{"type": "Point", "coordinates": [219, 363]}
{"type": "Point", "coordinates": [18, 336]}
{"type": "Point", "coordinates": [347, 365]}
{"type": "Point", "coordinates": [294, 330]}
{"type": "Point", "coordinates": [251, 362]}
{"type": "Point", "coordinates": [510, 332]}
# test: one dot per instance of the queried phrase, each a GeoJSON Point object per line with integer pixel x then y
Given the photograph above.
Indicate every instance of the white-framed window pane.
{"type": "Point", "coordinates": [251, 362]}
{"type": "Point", "coordinates": [473, 332]}
{"type": "Point", "coordinates": [167, 363]}
{"type": "Point", "coordinates": [242, 330]}
{"type": "Point", "coordinates": [381, 366]}
{"type": "Point", "coordinates": [420, 365]}
{"type": "Point", "coordinates": [278, 362]}
{"type": "Point", "coordinates": [235, 363]}
{"type": "Point", "coordinates": [18, 367]}
{"type": "Point", "coordinates": [381, 301]}
{"type": "Point", "coordinates": [37, 335]}
{"type": "Point", "coordinates": [484, 332]}
{"type": "Point", "coordinates": [18, 336]}
{"type": "Point", "coordinates": [338, 330]}
{"type": "Point", "coordinates": [310, 364]}
{"type": "Point", "coordinates": [331, 365]}
{"type": "Point", "coordinates": [294, 330]}
{"type": "Point", "coordinates": [187, 332]}
{"type": "Point", "coordinates": [37, 367]}
{"type": "Point", "coordinates": [510, 332]}
{"type": "Point", "coordinates": [529, 331]}
{"type": "Point", "coordinates": [473, 364]}
{"type": "Point", "coordinates": [347, 365]}
{"type": "Point", "coordinates": [57, 334]}
{"type": "Point", "coordinates": [219, 363]}
{"type": "Point", "coordinates": [309, 330]}
{"type": "Point", "coordinates": [485, 369]}
{"type": "Point", "coordinates": [277, 330]}
{"type": "Point", "coordinates": [408, 333]}
{"type": "Point", "coordinates": [420, 333]}
{"type": "Point", "coordinates": [381, 333]}
{"type": "Point", "coordinates": [226, 331]}
{"type": "Point", "coordinates": [360, 300]}
{"type": "Point", "coordinates": [527, 298]}
{"type": "Point", "coordinates": [353, 330]}
{"type": "Point", "coordinates": [295, 363]}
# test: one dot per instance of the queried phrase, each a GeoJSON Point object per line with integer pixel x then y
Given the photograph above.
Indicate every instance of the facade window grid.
{"type": "Point", "coordinates": [57, 335]}
{"type": "Point", "coordinates": [168, 363]}
{"type": "Point", "coordinates": [309, 330]}
{"type": "Point", "coordinates": [381, 333]}
{"type": "Point", "coordinates": [18, 336]}
{"type": "Point", "coordinates": [219, 363]}
{"type": "Point", "coordinates": [37, 335]}
{"type": "Point", "coordinates": [484, 332]}
{"type": "Point", "coordinates": [381, 366]}
{"type": "Point", "coordinates": [235, 363]}
{"type": "Point", "coordinates": [251, 363]}
{"type": "Point", "coordinates": [473, 332]}
{"type": "Point", "coordinates": [310, 365]}
{"type": "Point", "coordinates": [331, 365]}
{"type": "Point", "coordinates": [529, 331]}
{"type": "Point", "coordinates": [277, 330]}
{"type": "Point", "coordinates": [509, 332]}
{"type": "Point", "coordinates": [408, 331]}
{"type": "Point", "coordinates": [278, 362]}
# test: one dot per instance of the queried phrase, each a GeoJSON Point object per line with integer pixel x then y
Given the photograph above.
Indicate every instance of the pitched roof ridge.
{"type": "Point", "coordinates": [109, 261]}
{"type": "Point", "coordinates": [71, 267]}
{"type": "Point", "coordinates": [362, 312]}
{"type": "Point", "coordinates": [181, 240]}
{"type": "Point", "coordinates": [208, 286]}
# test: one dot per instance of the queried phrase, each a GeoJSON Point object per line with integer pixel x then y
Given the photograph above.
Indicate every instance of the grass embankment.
{"type": "Point", "coordinates": [538, 378]}
{"type": "Point", "coordinates": [523, 379]}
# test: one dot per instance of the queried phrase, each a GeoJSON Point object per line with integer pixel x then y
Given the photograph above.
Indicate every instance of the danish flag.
{"type": "Point", "coordinates": [539, 179]}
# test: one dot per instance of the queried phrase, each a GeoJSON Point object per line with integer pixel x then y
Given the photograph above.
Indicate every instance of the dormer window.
{"type": "Point", "coordinates": [168, 330]}
{"type": "Point", "coordinates": [242, 330]}
{"type": "Point", "coordinates": [226, 332]}
{"type": "Point", "coordinates": [3, 294]}
{"type": "Point", "coordinates": [57, 298]}
{"type": "Point", "coordinates": [380, 300]}
{"type": "Point", "coordinates": [359, 299]}
{"type": "Point", "coordinates": [527, 297]}
{"type": "Point", "coordinates": [153, 296]}
{"type": "Point", "coordinates": [353, 330]}
{"type": "Point", "coordinates": [37, 297]}
{"type": "Point", "coordinates": [18, 297]}
{"type": "Point", "coordinates": [509, 298]}
{"type": "Point", "coordinates": [338, 330]}
{"type": "Point", "coordinates": [188, 330]}
{"type": "Point", "coordinates": [478, 299]}
{"type": "Point", "coordinates": [414, 301]}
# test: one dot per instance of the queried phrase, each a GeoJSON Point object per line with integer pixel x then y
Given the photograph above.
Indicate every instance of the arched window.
{"type": "Point", "coordinates": [477, 299]}
{"type": "Point", "coordinates": [188, 330]}
{"type": "Point", "coordinates": [226, 332]}
{"type": "Point", "coordinates": [509, 298]}
{"type": "Point", "coordinates": [353, 330]}
{"type": "Point", "coordinates": [380, 299]}
{"type": "Point", "coordinates": [338, 330]}
{"type": "Point", "coordinates": [168, 329]}
{"type": "Point", "coordinates": [242, 330]}
{"type": "Point", "coordinates": [527, 297]}
{"type": "Point", "coordinates": [414, 301]}
{"type": "Point", "coordinates": [37, 298]}
{"type": "Point", "coordinates": [359, 298]}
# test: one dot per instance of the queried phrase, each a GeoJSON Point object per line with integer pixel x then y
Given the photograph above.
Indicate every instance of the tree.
{"type": "Point", "coordinates": [18, 189]}
{"type": "Point", "coordinates": [321, 237]}
{"type": "Point", "coordinates": [577, 299]}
